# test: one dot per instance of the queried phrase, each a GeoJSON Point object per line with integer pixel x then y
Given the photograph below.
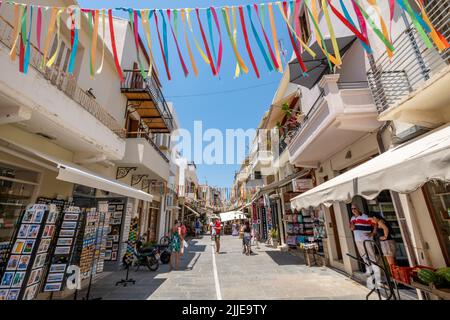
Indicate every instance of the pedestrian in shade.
{"type": "Point", "coordinates": [384, 236]}
{"type": "Point", "coordinates": [175, 245]}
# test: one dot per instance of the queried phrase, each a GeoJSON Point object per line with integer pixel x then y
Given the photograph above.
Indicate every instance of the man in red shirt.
{"type": "Point", "coordinates": [217, 227]}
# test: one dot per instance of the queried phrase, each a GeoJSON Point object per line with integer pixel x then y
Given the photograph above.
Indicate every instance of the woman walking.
{"type": "Point", "coordinates": [175, 245]}
{"type": "Point", "coordinates": [247, 238]}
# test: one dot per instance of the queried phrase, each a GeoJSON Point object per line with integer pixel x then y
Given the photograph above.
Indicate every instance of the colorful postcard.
{"type": "Point", "coordinates": [18, 279]}
{"type": "Point", "coordinates": [52, 216]}
{"type": "Point", "coordinates": [30, 292]}
{"type": "Point", "coordinates": [28, 216]}
{"type": "Point", "coordinates": [3, 294]}
{"type": "Point", "coordinates": [58, 267]}
{"type": "Point", "coordinates": [13, 294]}
{"type": "Point", "coordinates": [18, 246]}
{"type": "Point", "coordinates": [48, 231]}
{"type": "Point", "coordinates": [38, 275]}
{"type": "Point", "coordinates": [28, 247]}
{"type": "Point", "coordinates": [108, 254]}
{"type": "Point", "coordinates": [23, 231]}
{"type": "Point", "coordinates": [62, 250]}
{"type": "Point", "coordinates": [40, 260]}
{"type": "Point", "coordinates": [114, 256]}
{"type": "Point", "coordinates": [71, 217]}
{"type": "Point", "coordinates": [64, 241]}
{"type": "Point", "coordinates": [55, 277]}
{"type": "Point", "coordinates": [23, 262]}
{"type": "Point", "coordinates": [7, 279]}
{"type": "Point", "coordinates": [116, 238]}
{"type": "Point", "coordinates": [69, 225]}
{"type": "Point", "coordinates": [118, 215]}
{"type": "Point", "coordinates": [44, 245]}
{"type": "Point", "coordinates": [38, 216]}
{"type": "Point", "coordinates": [31, 278]}
{"type": "Point", "coordinates": [13, 262]}
{"type": "Point", "coordinates": [109, 244]}
{"type": "Point", "coordinates": [115, 247]}
{"type": "Point", "coordinates": [33, 231]}
{"type": "Point", "coordinates": [67, 233]}
{"type": "Point", "coordinates": [52, 287]}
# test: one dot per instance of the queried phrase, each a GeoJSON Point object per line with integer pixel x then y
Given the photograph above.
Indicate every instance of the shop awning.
{"type": "Point", "coordinates": [403, 169]}
{"type": "Point", "coordinates": [193, 211]}
{"type": "Point", "coordinates": [73, 173]}
{"type": "Point", "coordinates": [317, 66]}
{"type": "Point", "coordinates": [285, 181]}
{"type": "Point", "coordinates": [232, 215]}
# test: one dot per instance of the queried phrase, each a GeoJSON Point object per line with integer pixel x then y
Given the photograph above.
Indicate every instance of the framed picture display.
{"type": "Point", "coordinates": [116, 211]}
{"type": "Point", "coordinates": [30, 292]}
{"type": "Point", "coordinates": [49, 231]}
{"type": "Point", "coordinates": [18, 279]}
{"type": "Point", "coordinates": [55, 277]}
{"type": "Point", "coordinates": [38, 216]}
{"type": "Point", "coordinates": [28, 216]}
{"type": "Point", "coordinates": [3, 294]}
{"type": "Point", "coordinates": [44, 245]}
{"type": "Point", "coordinates": [71, 217]}
{"type": "Point", "coordinates": [114, 256]}
{"type": "Point", "coordinates": [69, 225]}
{"type": "Point", "coordinates": [23, 262]}
{"type": "Point", "coordinates": [108, 254]}
{"type": "Point", "coordinates": [62, 250]}
{"type": "Point", "coordinates": [13, 294]}
{"type": "Point", "coordinates": [7, 279]}
{"type": "Point", "coordinates": [33, 231]}
{"type": "Point", "coordinates": [50, 287]}
{"type": "Point", "coordinates": [39, 261]}
{"type": "Point", "coordinates": [58, 268]}
{"type": "Point", "coordinates": [64, 242]}
{"type": "Point", "coordinates": [13, 262]}
{"type": "Point", "coordinates": [18, 246]}
{"type": "Point", "coordinates": [66, 233]}
{"type": "Point", "coordinates": [23, 231]}
{"type": "Point", "coordinates": [28, 246]}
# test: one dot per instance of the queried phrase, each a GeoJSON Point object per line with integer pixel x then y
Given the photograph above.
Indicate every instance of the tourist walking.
{"type": "Point", "coordinates": [217, 229]}
{"type": "Point", "coordinates": [247, 240]}
{"type": "Point", "coordinates": [183, 234]}
{"type": "Point", "coordinates": [234, 229]}
{"type": "Point", "coordinates": [212, 230]}
{"type": "Point", "coordinates": [198, 228]}
{"type": "Point", "coordinates": [175, 245]}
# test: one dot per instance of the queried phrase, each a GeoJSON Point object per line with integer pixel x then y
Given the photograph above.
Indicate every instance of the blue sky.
{"type": "Point", "coordinates": [241, 102]}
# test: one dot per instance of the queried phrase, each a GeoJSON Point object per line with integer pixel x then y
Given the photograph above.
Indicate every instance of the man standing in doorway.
{"type": "Point", "coordinates": [217, 229]}
{"type": "Point", "coordinates": [362, 229]}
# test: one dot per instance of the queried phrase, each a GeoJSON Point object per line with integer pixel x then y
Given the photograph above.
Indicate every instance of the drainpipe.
{"type": "Point", "coordinates": [397, 204]}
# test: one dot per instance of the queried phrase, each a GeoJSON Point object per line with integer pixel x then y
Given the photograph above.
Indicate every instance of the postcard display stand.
{"type": "Point", "coordinates": [116, 210]}
{"type": "Point", "coordinates": [28, 258]}
{"type": "Point", "coordinates": [300, 227]}
{"type": "Point", "coordinates": [64, 251]}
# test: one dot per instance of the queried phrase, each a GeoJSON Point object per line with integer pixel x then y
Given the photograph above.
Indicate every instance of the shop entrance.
{"type": "Point", "coordinates": [384, 206]}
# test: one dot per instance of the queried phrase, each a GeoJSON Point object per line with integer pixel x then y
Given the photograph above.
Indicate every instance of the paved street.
{"type": "Point", "coordinates": [268, 274]}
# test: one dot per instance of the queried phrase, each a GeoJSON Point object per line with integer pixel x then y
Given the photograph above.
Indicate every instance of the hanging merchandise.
{"type": "Point", "coordinates": [26, 17]}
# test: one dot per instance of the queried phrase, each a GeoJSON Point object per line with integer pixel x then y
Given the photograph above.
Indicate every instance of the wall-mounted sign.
{"type": "Point", "coordinates": [302, 185]}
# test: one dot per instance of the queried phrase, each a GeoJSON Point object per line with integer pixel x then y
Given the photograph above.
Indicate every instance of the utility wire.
{"type": "Point", "coordinates": [222, 92]}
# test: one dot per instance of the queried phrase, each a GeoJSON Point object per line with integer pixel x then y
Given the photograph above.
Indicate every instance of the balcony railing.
{"type": "Point", "coordinates": [147, 136]}
{"type": "Point", "coordinates": [63, 81]}
{"type": "Point", "coordinates": [392, 79]}
{"type": "Point", "coordinates": [135, 82]}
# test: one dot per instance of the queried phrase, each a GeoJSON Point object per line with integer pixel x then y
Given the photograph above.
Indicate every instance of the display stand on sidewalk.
{"type": "Point", "coordinates": [125, 281]}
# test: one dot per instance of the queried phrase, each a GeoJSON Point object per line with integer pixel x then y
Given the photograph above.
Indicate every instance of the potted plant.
{"type": "Point", "coordinates": [274, 236]}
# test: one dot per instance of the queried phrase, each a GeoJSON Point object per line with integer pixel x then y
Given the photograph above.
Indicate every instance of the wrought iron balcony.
{"type": "Point", "coordinates": [145, 96]}
{"type": "Point", "coordinates": [392, 79]}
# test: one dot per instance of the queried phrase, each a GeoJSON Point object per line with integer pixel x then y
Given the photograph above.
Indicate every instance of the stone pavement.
{"type": "Point", "coordinates": [267, 274]}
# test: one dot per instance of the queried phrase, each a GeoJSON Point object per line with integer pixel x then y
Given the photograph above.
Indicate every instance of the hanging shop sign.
{"type": "Point", "coordinates": [28, 18]}
{"type": "Point", "coordinates": [302, 185]}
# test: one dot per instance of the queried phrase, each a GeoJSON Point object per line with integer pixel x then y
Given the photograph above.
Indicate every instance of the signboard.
{"type": "Point", "coordinates": [302, 185]}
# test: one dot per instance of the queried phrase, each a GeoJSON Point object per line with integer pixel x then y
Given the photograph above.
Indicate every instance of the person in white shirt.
{"type": "Point", "coordinates": [362, 229]}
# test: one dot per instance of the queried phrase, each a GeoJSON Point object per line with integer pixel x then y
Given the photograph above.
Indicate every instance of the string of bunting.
{"type": "Point", "coordinates": [27, 17]}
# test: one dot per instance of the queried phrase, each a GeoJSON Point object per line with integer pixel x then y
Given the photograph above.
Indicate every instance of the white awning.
{"type": "Point", "coordinates": [232, 215]}
{"type": "Point", "coordinates": [193, 211]}
{"type": "Point", "coordinates": [73, 173]}
{"type": "Point", "coordinates": [403, 169]}
{"type": "Point", "coordinates": [86, 178]}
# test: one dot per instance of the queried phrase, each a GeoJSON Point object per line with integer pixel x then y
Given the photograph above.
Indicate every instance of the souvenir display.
{"type": "Point", "coordinates": [28, 256]}
{"type": "Point", "coordinates": [116, 213]}
{"type": "Point", "coordinates": [88, 250]}
{"type": "Point", "coordinates": [64, 250]}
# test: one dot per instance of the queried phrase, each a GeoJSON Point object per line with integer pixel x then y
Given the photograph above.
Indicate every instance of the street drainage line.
{"type": "Point", "coordinates": [216, 276]}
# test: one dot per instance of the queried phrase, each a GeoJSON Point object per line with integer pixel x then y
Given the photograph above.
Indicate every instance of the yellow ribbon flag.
{"type": "Point", "coordinates": [237, 72]}
{"type": "Point", "coordinates": [94, 41]}
{"type": "Point", "coordinates": [308, 49]}
{"type": "Point", "coordinates": [332, 35]}
{"type": "Point", "coordinates": [274, 36]}
{"type": "Point", "coordinates": [146, 26]}
{"type": "Point", "coordinates": [233, 43]}
{"type": "Point", "coordinates": [48, 38]}
{"type": "Point", "coordinates": [191, 56]}
{"type": "Point", "coordinates": [18, 13]}
{"type": "Point", "coordinates": [58, 26]}
{"type": "Point", "coordinates": [197, 45]}
{"type": "Point", "coordinates": [384, 28]}
{"type": "Point", "coordinates": [104, 40]}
